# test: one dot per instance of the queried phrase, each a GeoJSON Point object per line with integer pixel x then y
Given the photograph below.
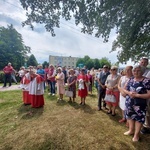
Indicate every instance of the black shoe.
{"type": "Point", "coordinates": [105, 108]}
{"type": "Point", "coordinates": [80, 103]}
{"type": "Point", "coordinates": [145, 130]}
{"type": "Point", "coordinates": [98, 109]}
{"type": "Point", "coordinates": [113, 114]}
{"type": "Point", "coordinates": [109, 112]}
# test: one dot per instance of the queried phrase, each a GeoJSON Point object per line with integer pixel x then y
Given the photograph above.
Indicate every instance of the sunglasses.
{"type": "Point", "coordinates": [113, 69]}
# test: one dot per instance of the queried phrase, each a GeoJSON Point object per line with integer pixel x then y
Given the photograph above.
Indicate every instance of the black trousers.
{"type": "Point", "coordinates": [101, 95]}
{"type": "Point", "coordinates": [7, 78]}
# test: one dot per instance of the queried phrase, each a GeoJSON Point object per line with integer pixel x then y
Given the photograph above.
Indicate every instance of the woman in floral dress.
{"type": "Point", "coordinates": [90, 83]}
{"type": "Point", "coordinates": [137, 92]}
{"type": "Point", "coordinates": [72, 83]}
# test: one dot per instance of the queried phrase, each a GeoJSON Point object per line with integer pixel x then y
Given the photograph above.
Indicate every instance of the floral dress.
{"type": "Point", "coordinates": [136, 107]}
{"type": "Point", "coordinates": [73, 86]}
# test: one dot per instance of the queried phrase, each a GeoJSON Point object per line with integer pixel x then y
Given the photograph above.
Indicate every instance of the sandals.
{"type": "Point", "coordinates": [109, 112]}
{"type": "Point", "coordinates": [135, 140]}
{"type": "Point", "coordinates": [128, 133]}
{"type": "Point", "coordinates": [122, 120]}
{"type": "Point", "coordinates": [113, 114]}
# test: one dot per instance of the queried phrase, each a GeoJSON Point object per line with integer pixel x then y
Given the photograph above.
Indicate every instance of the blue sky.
{"type": "Point", "coordinates": [69, 41]}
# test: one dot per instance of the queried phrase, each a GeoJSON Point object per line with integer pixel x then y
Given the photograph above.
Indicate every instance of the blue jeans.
{"type": "Point", "coordinates": [52, 86]}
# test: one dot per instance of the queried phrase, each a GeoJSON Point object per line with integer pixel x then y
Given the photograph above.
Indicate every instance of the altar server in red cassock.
{"type": "Point", "coordinates": [25, 82]}
{"type": "Point", "coordinates": [36, 90]}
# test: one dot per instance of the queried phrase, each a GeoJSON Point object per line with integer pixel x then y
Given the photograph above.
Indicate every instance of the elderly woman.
{"type": "Point", "coordinates": [90, 83]}
{"type": "Point", "coordinates": [60, 83]}
{"type": "Point", "coordinates": [72, 83]}
{"type": "Point", "coordinates": [122, 82]}
{"type": "Point", "coordinates": [51, 79]}
{"type": "Point", "coordinates": [82, 89]}
{"type": "Point", "coordinates": [112, 89]}
{"type": "Point", "coordinates": [137, 92]}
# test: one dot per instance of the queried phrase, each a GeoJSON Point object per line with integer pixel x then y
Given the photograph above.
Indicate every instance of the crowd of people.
{"type": "Point", "coordinates": [130, 89]}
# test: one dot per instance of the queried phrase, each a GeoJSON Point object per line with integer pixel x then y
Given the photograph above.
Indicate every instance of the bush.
{"type": "Point", "coordinates": [2, 77]}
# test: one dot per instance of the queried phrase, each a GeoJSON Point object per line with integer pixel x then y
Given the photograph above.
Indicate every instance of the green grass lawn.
{"type": "Point", "coordinates": [62, 126]}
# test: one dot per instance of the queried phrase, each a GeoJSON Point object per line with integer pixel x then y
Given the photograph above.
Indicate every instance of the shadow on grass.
{"type": "Point", "coordinates": [86, 108]}
{"type": "Point", "coordinates": [92, 95]}
{"type": "Point", "coordinates": [117, 117]}
{"type": "Point", "coordinates": [51, 142]}
{"type": "Point", "coordinates": [50, 97]}
{"type": "Point", "coordinates": [23, 109]}
{"type": "Point", "coordinates": [28, 112]}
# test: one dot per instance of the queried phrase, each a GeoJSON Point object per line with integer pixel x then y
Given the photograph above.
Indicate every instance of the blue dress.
{"type": "Point", "coordinates": [136, 107]}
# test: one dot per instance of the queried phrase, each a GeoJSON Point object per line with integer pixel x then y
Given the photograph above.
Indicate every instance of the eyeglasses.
{"type": "Point", "coordinates": [113, 69]}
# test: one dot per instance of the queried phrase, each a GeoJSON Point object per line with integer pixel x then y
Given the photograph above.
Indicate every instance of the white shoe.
{"type": "Point", "coordinates": [53, 94]}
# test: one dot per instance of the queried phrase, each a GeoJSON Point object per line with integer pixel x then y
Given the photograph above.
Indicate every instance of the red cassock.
{"type": "Point", "coordinates": [36, 91]}
{"type": "Point", "coordinates": [82, 92]}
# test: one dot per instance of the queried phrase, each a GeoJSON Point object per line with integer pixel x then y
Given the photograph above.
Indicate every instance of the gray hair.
{"type": "Point", "coordinates": [142, 68]}
{"type": "Point", "coordinates": [59, 68]}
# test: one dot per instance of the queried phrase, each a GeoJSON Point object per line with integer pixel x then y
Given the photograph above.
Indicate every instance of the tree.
{"type": "Point", "coordinates": [45, 63]}
{"type": "Point", "coordinates": [86, 59]}
{"type": "Point", "coordinates": [80, 62]}
{"type": "Point", "coordinates": [96, 63]}
{"type": "Point", "coordinates": [99, 17]}
{"type": "Point", "coordinates": [89, 64]}
{"type": "Point", "coordinates": [32, 61]}
{"type": "Point", "coordinates": [104, 61]}
{"type": "Point", "coordinates": [12, 48]}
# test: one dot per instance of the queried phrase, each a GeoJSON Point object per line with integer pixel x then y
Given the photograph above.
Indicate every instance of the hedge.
{"type": "Point", "coordinates": [2, 77]}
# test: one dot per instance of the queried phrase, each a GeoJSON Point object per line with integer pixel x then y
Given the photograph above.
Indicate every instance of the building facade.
{"type": "Point", "coordinates": [63, 61]}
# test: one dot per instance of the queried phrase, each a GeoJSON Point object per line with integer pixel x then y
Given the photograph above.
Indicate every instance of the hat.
{"type": "Point", "coordinates": [105, 66]}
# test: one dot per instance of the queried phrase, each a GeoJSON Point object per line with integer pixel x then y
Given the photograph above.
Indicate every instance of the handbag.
{"type": "Point", "coordinates": [110, 98]}
{"type": "Point", "coordinates": [69, 93]}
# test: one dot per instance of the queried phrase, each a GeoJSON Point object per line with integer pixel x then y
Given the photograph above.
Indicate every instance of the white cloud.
{"type": "Point", "coordinates": [69, 41]}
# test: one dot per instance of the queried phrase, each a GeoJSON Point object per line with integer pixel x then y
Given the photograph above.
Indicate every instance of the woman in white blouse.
{"type": "Point", "coordinates": [122, 82]}
{"type": "Point", "coordinates": [112, 89]}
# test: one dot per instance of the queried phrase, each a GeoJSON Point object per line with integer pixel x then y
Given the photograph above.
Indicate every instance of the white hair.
{"type": "Point", "coordinates": [142, 68]}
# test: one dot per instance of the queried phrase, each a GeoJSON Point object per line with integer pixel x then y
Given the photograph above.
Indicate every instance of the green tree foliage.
{"type": "Point", "coordinates": [104, 61]}
{"type": "Point", "coordinates": [89, 64]}
{"type": "Point", "coordinates": [32, 61]}
{"type": "Point", "coordinates": [96, 63]}
{"type": "Point", "coordinates": [12, 48]}
{"type": "Point", "coordinates": [99, 17]}
{"type": "Point", "coordinates": [80, 61]}
{"type": "Point", "coordinates": [45, 63]}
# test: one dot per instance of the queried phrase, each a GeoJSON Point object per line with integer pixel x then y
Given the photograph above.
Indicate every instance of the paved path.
{"type": "Point", "coordinates": [13, 87]}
